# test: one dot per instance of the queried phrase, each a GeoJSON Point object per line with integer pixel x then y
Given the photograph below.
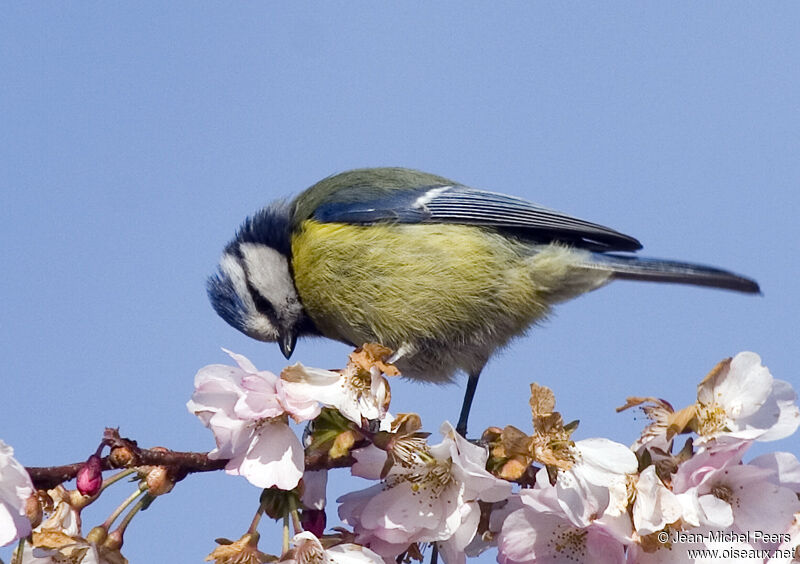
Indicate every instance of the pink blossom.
{"type": "Point", "coordinates": [726, 494]}
{"type": "Point", "coordinates": [717, 455]}
{"type": "Point", "coordinates": [532, 536]}
{"type": "Point", "coordinates": [247, 411]}
{"type": "Point", "coordinates": [784, 466]}
{"type": "Point", "coordinates": [430, 496]}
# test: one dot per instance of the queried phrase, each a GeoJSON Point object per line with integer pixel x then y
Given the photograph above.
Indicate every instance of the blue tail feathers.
{"type": "Point", "coordinates": [657, 270]}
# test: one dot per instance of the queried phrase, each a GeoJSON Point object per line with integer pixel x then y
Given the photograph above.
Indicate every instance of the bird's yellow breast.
{"type": "Point", "coordinates": [401, 283]}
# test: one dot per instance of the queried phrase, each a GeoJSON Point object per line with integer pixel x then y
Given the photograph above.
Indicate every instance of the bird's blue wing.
{"type": "Point", "coordinates": [460, 204]}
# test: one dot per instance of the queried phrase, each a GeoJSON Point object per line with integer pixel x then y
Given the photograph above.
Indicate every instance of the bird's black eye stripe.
{"type": "Point", "coordinates": [263, 305]}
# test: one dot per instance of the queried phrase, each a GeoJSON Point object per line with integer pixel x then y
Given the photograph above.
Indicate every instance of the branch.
{"type": "Point", "coordinates": [125, 453]}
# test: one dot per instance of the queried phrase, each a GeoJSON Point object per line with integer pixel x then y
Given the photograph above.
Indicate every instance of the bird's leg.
{"type": "Point", "coordinates": [434, 553]}
{"type": "Point", "coordinates": [469, 394]}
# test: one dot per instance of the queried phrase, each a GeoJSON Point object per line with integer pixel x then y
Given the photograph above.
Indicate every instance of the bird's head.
{"type": "Point", "coordinates": [253, 290]}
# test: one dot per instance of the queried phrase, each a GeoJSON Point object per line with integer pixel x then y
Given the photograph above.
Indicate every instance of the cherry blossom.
{"type": "Point", "coordinates": [695, 546]}
{"type": "Point", "coordinates": [429, 495]}
{"type": "Point", "coordinates": [248, 410]}
{"type": "Point", "coordinates": [741, 399]}
{"type": "Point", "coordinates": [743, 497]}
{"type": "Point", "coordinates": [595, 482]}
{"type": "Point", "coordinates": [785, 468]}
{"type": "Point", "coordinates": [355, 393]}
{"type": "Point", "coordinates": [546, 534]}
{"type": "Point", "coordinates": [308, 549]}
{"type": "Point", "coordinates": [655, 505]}
{"type": "Point", "coordinates": [15, 489]}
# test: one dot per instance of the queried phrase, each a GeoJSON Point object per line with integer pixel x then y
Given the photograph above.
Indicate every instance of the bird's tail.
{"type": "Point", "coordinates": [657, 270]}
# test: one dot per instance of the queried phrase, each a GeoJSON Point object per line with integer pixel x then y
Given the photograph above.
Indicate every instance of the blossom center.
{"type": "Point", "coordinates": [309, 553]}
{"type": "Point", "coordinates": [436, 479]}
{"type": "Point", "coordinates": [433, 477]}
{"type": "Point", "coordinates": [358, 381]}
{"type": "Point", "coordinates": [411, 452]}
{"type": "Point", "coordinates": [570, 543]}
{"type": "Point", "coordinates": [723, 492]}
{"type": "Point", "coordinates": [712, 419]}
{"type": "Point", "coordinates": [262, 422]}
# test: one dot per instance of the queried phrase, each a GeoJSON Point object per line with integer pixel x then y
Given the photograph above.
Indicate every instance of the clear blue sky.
{"type": "Point", "coordinates": [135, 138]}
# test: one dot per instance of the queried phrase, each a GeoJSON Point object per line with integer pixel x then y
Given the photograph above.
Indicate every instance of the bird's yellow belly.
{"type": "Point", "coordinates": [399, 282]}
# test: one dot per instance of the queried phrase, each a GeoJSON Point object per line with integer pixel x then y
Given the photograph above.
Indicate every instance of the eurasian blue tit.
{"type": "Point", "coordinates": [441, 273]}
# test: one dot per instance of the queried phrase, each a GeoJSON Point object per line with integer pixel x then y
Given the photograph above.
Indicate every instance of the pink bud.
{"type": "Point", "coordinates": [90, 476]}
{"type": "Point", "coordinates": [313, 521]}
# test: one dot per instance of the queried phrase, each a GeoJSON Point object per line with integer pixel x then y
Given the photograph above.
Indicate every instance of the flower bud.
{"type": "Point", "coordinates": [313, 520]}
{"type": "Point", "coordinates": [159, 481]}
{"type": "Point", "coordinates": [34, 510]}
{"type": "Point", "coordinates": [342, 445]}
{"type": "Point", "coordinates": [97, 535]}
{"type": "Point", "coordinates": [90, 476]}
{"type": "Point", "coordinates": [121, 457]}
{"type": "Point", "coordinates": [114, 540]}
{"type": "Point", "coordinates": [278, 503]}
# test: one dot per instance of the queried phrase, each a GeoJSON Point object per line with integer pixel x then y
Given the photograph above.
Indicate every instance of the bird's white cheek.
{"type": "Point", "coordinates": [259, 327]}
{"type": "Point", "coordinates": [268, 272]}
{"type": "Point", "coordinates": [230, 266]}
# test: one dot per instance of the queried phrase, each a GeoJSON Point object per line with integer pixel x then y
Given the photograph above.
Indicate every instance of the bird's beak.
{"type": "Point", "coordinates": [286, 342]}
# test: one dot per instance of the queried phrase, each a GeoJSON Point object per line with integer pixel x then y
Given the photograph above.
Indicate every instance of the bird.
{"type": "Point", "coordinates": [442, 274]}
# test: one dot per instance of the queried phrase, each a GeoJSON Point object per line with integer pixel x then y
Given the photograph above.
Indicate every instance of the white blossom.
{"type": "Point", "coordinates": [309, 550]}
{"type": "Point", "coordinates": [15, 489]}
{"type": "Point", "coordinates": [596, 482]}
{"type": "Point", "coordinates": [743, 400]}
{"type": "Point", "coordinates": [655, 505]}
{"type": "Point", "coordinates": [354, 395]}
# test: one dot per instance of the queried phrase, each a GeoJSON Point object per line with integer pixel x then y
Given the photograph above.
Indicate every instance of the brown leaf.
{"type": "Point", "coordinates": [514, 441]}
{"type": "Point", "coordinates": [682, 421]}
{"type": "Point", "coordinates": [513, 469]}
{"type": "Point", "coordinates": [711, 377]}
{"type": "Point", "coordinates": [551, 424]}
{"type": "Point", "coordinates": [542, 401]}
{"type": "Point", "coordinates": [406, 423]}
{"type": "Point", "coordinates": [373, 354]}
{"type": "Point", "coordinates": [635, 401]}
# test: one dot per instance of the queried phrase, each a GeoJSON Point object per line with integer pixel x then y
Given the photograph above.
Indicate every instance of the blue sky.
{"type": "Point", "coordinates": [135, 138]}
